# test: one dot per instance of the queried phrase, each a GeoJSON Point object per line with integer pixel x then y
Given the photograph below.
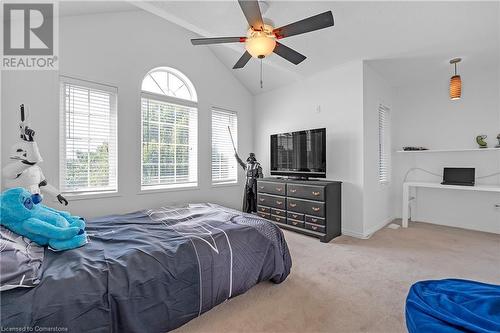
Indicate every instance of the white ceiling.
{"type": "Point", "coordinates": [77, 8]}
{"type": "Point", "coordinates": [384, 32]}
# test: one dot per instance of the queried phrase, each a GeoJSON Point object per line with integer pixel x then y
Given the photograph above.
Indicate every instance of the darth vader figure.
{"type": "Point", "coordinates": [253, 171]}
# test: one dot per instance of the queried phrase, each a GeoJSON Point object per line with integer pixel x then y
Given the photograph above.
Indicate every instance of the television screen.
{"type": "Point", "coordinates": [299, 154]}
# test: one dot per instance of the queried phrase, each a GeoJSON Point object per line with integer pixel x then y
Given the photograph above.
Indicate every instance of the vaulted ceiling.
{"type": "Point", "coordinates": [363, 31]}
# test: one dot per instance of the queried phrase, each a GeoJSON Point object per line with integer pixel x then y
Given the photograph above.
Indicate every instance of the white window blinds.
{"type": "Point", "coordinates": [224, 165]}
{"type": "Point", "coordinates": [384, 145]}
{"type": "Point", "coordinates": [88, 154]}
{"type": "Point", "coordinates": [169, 143]}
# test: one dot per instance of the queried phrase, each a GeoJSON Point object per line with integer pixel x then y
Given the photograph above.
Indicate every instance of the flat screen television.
{"type": "Point", "coordinates": [299, 154]}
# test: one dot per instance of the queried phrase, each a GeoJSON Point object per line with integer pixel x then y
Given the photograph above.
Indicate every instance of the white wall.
{"type": "Point", "coordinates": [423, 115]}
{"type": "Point", "coordinates": [118, 49]}
{"type": "Point", "coordinates": [377, 204]}
{"type": "Point", "coordinates": [339, 94]}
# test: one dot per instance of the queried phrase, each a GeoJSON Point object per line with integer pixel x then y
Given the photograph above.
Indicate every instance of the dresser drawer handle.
{"type": "Point", "coordinates": [316, 209]}
{"type": "Point", "coordinates": [316, 193]}
{"type": "Point", "coordinates": [261, 200]}
{"type": "Point", "coordinates": [293, 190]}
{"type": "Point", "coordinates": [261, 187]}
{"type": "Point", "coordinates": [295, 223]}
{"type": "Point", "coordinates": [292, 204]}
{"type": "Point", "coordinates": [262, 209]}
{"type": "Point", "coordinates": [313, 227]}
{"type": "Point", "coordinates": [277, 212]}
{"type": "Point", "coordinates": [279, 189]}
{"type": "Point", "coordinates": [278, 219]}
{"type": "Point", "coordinates": [295, 216]}
{"type": "Point", "coordinates": [314, 220]}
{"type": "Point", "coordinates": [279, 202]}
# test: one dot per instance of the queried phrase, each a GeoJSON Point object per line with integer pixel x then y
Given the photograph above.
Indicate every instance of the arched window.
{"type": "Point", "coordinates": [169, 82]}
{"type": "Point", "coordinates": [169, 125]}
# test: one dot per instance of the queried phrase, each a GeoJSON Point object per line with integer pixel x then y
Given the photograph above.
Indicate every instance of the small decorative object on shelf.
{"type": "Point", "coordinates": [480, 141]}
{"type": "Point", "coordinates": [498, 138]}
{"type": "Point", "coordinates": [414, 148]}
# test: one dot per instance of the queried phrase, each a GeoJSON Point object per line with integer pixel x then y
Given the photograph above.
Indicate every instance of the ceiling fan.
{"type": "Point", "coordinates": [262, 39]}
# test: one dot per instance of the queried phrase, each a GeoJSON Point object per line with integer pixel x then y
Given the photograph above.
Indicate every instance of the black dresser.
{"type": "Point", "coordinates": [311, 207]}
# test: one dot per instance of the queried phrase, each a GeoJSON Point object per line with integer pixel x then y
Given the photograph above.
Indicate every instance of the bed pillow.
{"type": "Point", "coordinates": [20, 261]}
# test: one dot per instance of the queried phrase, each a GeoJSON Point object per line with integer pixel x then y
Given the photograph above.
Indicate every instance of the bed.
{"type": "Point", "coordinates": [150, 271]}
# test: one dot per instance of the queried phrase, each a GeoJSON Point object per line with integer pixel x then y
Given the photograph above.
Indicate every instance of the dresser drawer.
{"type": "Point", "coordinates": [314, 219]}
{"type": "Point", "coordinates": [306, 207]}
{"type": "Point", "coordinates": [262, 209]}
{"type": "Point", "coordinates": [315, 227]}
{"type": "Point", "coordinates": [271, 201]}
{"type": "Point", "coordinates": [295, 223]}
{"type": "Point", "coordinates": [278, 212]}
{"type": "Point", "coordinates": [264, 215]}
{"type": "Point", "coordinates": [295, 216]}
{"type": "Point", "coordinates": [306, 192]}
{"type": "Point", "coordinates": [280, 219]}
{"type": "Point", "coordinates": [271, 188]}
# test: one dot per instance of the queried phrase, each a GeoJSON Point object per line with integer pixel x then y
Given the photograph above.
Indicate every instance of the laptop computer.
{"type": "Point", "coordinates": [459, 176]}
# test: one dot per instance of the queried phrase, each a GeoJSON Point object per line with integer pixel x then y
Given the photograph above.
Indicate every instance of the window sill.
{"type": "Point", "coordinates": [228, 184]}
{"type": "Point", "coordinates": [89, 195]}
{"type": "Point", "coordinates": [168, 189]}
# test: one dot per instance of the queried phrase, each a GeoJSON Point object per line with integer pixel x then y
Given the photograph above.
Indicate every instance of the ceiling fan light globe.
{"type": "Point", "coordinates": [260, 46]}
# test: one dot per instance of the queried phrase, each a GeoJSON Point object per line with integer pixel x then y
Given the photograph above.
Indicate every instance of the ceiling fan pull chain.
{"type": "Point", "coordinates": [261, 83]}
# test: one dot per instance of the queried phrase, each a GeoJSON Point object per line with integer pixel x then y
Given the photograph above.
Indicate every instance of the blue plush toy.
{"type": "Point", "coordinates": [22, 213]}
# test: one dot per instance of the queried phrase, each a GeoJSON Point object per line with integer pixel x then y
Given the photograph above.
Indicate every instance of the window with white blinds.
{"type": "Point", "coordinates": [88, 154]}
{"type": "Point", "coordinates": [169, 131]}
{"type": "Point", "coordinates": [384, 145]}
{"type": "Point", "coordinates": [224, 164]}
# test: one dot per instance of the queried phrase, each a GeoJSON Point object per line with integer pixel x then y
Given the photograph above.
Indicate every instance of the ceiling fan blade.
{"type": "Point", "coordinates": [217, 40]}
{"type": "Point", "coordinates": [316, 22]}
{"type": "Point", "coordinates": [242, 61]}
{"type": "Point", "coordinates": [252, 13]}
{"type": "Point", "coordinates": [289, 54]}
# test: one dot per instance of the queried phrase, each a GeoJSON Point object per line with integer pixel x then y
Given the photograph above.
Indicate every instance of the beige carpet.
{"type": "Point", "coordinates": [353, 285]}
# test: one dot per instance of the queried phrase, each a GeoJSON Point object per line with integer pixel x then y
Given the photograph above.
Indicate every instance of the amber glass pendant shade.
{"type": "Point", "coordinates": [455, 82]}
{"type": "Point", "coordinates": [455, 87]}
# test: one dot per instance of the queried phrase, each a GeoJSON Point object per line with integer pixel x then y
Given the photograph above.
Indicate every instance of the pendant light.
{"type": "Point", "coordinates": [455, 82]}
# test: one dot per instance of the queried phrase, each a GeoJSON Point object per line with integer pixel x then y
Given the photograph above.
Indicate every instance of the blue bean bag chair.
{"type": "Point", "coordinates": [453, 305]}
{"type": "Point", "coordinates": [22, 213]}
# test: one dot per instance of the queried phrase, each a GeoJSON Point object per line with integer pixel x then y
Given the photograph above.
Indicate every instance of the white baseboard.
{"type": "Point", "coordinates": [459, 226]}
{"type": "Point", "coordinates": [354, 234]}
{"type": "Point", "coordinates": [369, 232]}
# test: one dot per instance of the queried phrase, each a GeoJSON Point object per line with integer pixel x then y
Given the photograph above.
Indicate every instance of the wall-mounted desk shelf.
{"type": "Point", "coordinates": [408, 185]}
{"type": "Point", "coordinates": [479, 188]}
{"type": "Point", "coordinates": [446, 150]}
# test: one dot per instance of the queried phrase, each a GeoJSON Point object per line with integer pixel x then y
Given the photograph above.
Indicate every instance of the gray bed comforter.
{"type": "Point", "coordinates": [150, 271]}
